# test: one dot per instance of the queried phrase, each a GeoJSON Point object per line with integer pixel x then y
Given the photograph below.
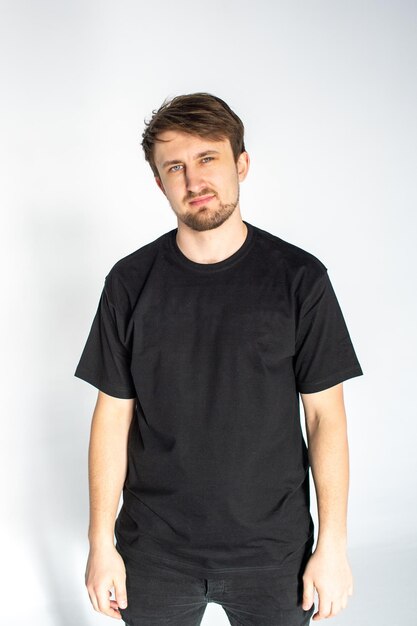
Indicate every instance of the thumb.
{"type": "Point", "coordinates": [308, 594]}
{"type": "Point", "coordinates": [120, 594]}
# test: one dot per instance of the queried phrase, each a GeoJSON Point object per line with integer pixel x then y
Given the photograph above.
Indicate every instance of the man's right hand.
{"type": "Point", "coordinates": [106, 570]}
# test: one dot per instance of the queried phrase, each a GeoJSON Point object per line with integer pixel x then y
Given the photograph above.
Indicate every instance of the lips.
{"type": "Point", "coordinates": [201, 200]}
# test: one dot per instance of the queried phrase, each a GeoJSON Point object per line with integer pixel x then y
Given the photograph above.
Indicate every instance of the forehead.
{"type": "Point", "coordinates": [176, 144]}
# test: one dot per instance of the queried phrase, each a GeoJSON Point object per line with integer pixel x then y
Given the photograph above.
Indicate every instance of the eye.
{"type": "Point", "coordinates": [208, 158]}
{"type": "Point", "coordinates": [172, 169]}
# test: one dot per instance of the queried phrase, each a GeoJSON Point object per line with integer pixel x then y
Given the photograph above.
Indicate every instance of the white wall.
{"type": "Point", "coordinates": [327, 92]}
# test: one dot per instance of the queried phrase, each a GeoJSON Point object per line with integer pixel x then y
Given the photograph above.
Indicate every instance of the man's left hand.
{"type": "Point", "coordinates": [329, 572]}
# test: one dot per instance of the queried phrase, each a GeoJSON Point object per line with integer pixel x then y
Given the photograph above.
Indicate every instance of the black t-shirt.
{"type": "Point", "coordinates": [215, 356]}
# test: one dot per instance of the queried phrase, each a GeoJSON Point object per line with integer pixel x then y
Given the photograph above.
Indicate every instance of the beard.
{"type": "Point", "coordinates": [206, 218]}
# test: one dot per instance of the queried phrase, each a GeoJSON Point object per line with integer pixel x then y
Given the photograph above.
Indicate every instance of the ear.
{"type": "Point", "coordinates": [160, 185]}
{"type": "Point", "coordinates": [242, 165]}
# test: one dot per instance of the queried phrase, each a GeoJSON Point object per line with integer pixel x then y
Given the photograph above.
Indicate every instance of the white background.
{"type": "Point", "coordinates": [327, 92]}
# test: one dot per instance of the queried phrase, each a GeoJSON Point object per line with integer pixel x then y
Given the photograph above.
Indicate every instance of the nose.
{"type": "Point", "coordinates": [194, 180]}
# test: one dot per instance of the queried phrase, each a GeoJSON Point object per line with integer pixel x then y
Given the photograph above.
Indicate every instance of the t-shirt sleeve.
{"type": "Point", "coordinates": [105, 361]}
{"type": "Point", "coordinates": [324, 353]}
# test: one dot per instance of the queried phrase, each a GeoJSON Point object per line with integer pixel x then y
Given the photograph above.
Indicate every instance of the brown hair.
{"type": "Point", "coordinates": [199, 114]}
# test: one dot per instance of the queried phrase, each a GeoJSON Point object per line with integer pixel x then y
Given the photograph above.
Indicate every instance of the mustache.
{"type": "Point", "coordinates": [201, 194]}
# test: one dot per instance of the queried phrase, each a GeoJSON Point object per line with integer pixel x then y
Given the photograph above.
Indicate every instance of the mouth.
{"type": "Point", "coordinates": [202, 200]}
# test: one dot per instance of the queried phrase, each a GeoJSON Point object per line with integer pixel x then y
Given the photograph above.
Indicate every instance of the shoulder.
{"type": "Point", "coordinates": [131, 266]}
{"type": "Point", "coordinates": [127, 276]}
{"type": "Point", "coordinates": [299, 266]}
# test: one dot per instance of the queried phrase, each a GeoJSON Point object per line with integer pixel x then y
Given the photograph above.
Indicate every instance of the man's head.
{"type": "Point", "coordinates": [194, 145]}
{"type": "Point", "coordinates": [200, 114]}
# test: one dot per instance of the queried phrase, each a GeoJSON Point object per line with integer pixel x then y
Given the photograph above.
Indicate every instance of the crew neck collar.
{"type": "Point", "coordinates": [212, 267]}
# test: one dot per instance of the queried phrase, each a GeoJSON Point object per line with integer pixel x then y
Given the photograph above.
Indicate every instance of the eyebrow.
{"type": "Point", "coordinates": [196, 156]}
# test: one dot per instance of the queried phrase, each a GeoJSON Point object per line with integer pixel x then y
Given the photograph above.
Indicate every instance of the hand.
{"type": "Point", "coordinates": [329, 572]}
{"type": "Point", "coordinates": [106, 569]}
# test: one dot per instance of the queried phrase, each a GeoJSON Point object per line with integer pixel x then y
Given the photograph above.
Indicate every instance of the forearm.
{"type": "Point", "coordinates": [329, 459]}
{"type": "Point", "coordinates": [107, 466]}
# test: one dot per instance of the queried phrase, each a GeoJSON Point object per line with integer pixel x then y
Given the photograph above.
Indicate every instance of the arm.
{"type": "Point", "coordinates": [107, 466]}
{"type": "Point", "coordinates": [328, 451]}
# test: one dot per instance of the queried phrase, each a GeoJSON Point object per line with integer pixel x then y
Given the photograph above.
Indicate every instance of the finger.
{"type": "Point", "coordinates": [120, 593]}
{"type": "Point", "coordinates": [113, 602]}
{"type": "Point", "coordinates": [336, 608]}
{"type": "Point", "coordinates": [114, 607]}
{"type": "Point", "coordinates": [308, 594]}
{"type": "Point", "coordinates": [93, 598]}
{"type": "Point", "coordinates": [114, 612]}
{"type": "Point", "coordinates": [103, 602]}
{"type": "Point", "coordinates": [325, 609]}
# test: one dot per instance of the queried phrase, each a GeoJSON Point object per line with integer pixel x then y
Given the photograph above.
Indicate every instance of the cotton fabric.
{"type": "Point", "coordinates": [215, 356]}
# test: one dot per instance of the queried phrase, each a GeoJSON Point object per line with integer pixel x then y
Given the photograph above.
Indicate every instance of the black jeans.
{"type": "Point", "coordinates": [157, 594]}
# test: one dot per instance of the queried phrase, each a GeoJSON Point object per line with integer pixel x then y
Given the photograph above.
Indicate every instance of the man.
{"type": "Point", "coordinates": [202, 342]}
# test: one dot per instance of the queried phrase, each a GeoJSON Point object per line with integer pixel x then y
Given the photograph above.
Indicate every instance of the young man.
{"type": "Point", "coordinates": [201, 344]}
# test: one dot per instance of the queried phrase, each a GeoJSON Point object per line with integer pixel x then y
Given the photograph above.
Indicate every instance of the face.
{"type": "Point", "coordinates": [199, 177]}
